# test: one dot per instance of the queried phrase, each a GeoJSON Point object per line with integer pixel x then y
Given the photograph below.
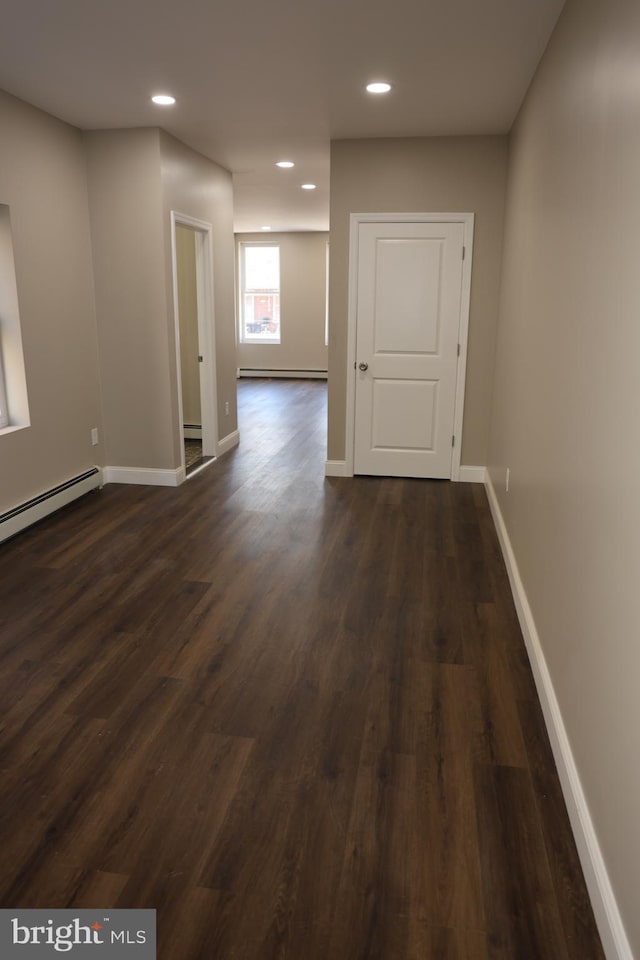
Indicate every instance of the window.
{"type": "Point", "coordinates": [326, 299]}
{"type": "Point", "coordinates": [4, 411]}
{"type": "Point", "coordinates": [13, 384]}
{"type": "Point", "coordinates": [259, 293]}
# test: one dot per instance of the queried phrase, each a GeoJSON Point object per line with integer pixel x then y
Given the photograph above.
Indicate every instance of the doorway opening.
{"type": "Point", "coordinates": [195, 342]}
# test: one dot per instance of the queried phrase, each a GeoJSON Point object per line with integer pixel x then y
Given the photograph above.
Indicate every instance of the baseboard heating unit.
{"type": "Point", "coordinates": [22, 516]}
{"type": "Point", "coordinates": [192, 431]}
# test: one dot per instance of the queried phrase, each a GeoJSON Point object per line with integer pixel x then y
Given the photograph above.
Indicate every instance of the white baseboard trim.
{"type": "Point", "coordinates": [290, 374]}
{"type": "Point", "coordinates": [614, 939]}
{"type": "Point", "coordinates": [37, 508]}
{"type": "Point", "coordinates": [192, 433]}
{"type": "Point", "coordinates": [472, 474]}
{"type": "Point", "coordinates": [336, 468]}
{"type": "Point", "coordinates": [147, 476]}
{"type": "Point", "coordinates": [228, 443]}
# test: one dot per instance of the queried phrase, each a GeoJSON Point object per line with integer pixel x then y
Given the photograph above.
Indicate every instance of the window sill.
{"type": "Point", "coordinates": [13, 429]}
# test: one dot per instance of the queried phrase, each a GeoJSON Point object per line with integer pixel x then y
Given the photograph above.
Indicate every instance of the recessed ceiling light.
{"type": "Point", "coordinates": [285, 163]}
{"type": "Point", "coordinates": [163, 99]}
{"type": "Point", "coordinates": [308, 186]}
{"type": "Point", "coordinates": [265, 228]}
{"type": "Point", "coordinates": [378, 87]}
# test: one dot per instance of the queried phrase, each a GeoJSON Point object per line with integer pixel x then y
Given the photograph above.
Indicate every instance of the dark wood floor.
{"type": "Point", "coordinates": [293, 714]}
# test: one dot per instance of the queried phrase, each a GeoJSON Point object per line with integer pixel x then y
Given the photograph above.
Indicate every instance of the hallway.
{"type": "Point", "coordinates": [294, 715]}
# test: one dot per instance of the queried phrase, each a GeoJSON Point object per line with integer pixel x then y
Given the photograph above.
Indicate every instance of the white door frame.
{"type": "Point", "coordinates": [467, 220]}
{"type": "Point", "coordinates": [206, 331]}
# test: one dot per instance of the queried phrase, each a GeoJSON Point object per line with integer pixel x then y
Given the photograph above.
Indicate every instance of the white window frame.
{"type": "Point", "coordinates": [4, 409]}
{"type": "Point", "coordinates": [14, 403]}
{"type": "Point", "coordinates": [326, 297]}
{"type": "Point", "coordinates": [243, 337]}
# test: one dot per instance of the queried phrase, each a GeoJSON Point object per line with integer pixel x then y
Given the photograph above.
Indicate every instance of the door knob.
{"type": "Point", "coordinates": [363, 366]}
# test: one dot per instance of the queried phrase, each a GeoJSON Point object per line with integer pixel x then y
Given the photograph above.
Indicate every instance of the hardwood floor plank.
{"type": "Point", "coordinates": [575, 909]}
{"type": "Point", "coordinates": [97, 887]}
{"type": "Point", "coordinates": [418, 940]}
{"type": "Point", "coordinates": [447, 811]}
{"type": "Point", "coordinates": [191, 922]}
{"type": "Point", "coordinates": [498, 737]}
{"type": "Point", "coordinates": [173, 824]}
{"type": "Point", "coordinates": [38, 810]}
{"type": "Point", "coordinates": [522, 915]}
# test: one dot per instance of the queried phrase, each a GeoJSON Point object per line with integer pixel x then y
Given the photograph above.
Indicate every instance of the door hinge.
{"type": "Point", "coordinates": [200, 358]}
{"type": "Point", "coordinates": [458, 349]}
{"type": "Point", "coordinates": [453, 441]}
{"type": "Point", "coordinates": [464, 250]}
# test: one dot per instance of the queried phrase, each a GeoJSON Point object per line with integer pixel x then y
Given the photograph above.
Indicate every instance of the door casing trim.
{"type": "Point", "coordinates": [206, 331]}
{"type": "Point", "coordinates": [467, 220]}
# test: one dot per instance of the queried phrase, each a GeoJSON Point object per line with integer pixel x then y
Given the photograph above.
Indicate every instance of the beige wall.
{"type": "Point", "coordinates": [302, 306]}
{"type": "Point", "coordinates": [125, 194]}
{"type": "Point", "coordinates": [424, 175]}
{"type": "Point", "coordinates": [196, 187]}
{"type": "Point", "coordinates": [188, 313]}
{"type": "Point", "coordinates": [567, 402]}
{"type": "Point", "coordinates": [43, 181]}
{"type": "Point", "coordinates": [136, 178]}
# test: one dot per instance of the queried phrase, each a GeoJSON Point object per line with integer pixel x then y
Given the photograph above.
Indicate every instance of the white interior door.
{"type": "Point", "coordinates": [409, 289]}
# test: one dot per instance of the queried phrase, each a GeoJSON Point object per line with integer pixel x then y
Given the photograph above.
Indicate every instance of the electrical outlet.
{"type": "Point", "coordinates": [94, 437]}
{"type": "Point", "coordinates": [506, 482]}
{"type": "Point", "coordinates": [226, 408]}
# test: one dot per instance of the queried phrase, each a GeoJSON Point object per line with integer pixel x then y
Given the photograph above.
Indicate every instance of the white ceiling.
{"type": "Point", "coordinates": [262, 80]}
